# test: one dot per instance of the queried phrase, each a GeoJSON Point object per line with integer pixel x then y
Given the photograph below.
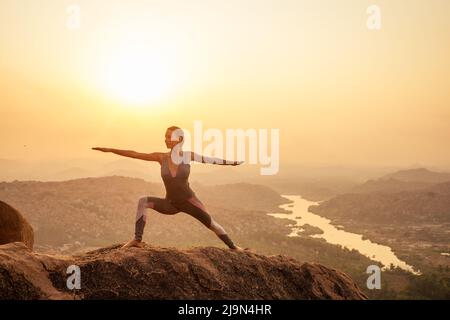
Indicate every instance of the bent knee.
{"type": "Point", "coordinates": [145, 202]}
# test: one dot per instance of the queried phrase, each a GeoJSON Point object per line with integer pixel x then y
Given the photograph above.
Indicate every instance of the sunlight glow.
{"type": "Point", "coordinates": [137, 74]}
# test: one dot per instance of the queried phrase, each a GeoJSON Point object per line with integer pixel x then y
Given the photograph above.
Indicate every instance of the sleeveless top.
{"type": "Point", "coordinates": [177, 188]}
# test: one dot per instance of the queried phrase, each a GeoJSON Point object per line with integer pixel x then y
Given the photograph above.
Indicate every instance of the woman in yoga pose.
{"type": "Point", "coordinates": [179, 196]}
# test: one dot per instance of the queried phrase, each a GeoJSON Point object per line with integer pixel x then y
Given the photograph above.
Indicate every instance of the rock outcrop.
{"type": "Point", "coordinates": [168, 273]}
{"type": "Point", "coordinates": [13, 226]}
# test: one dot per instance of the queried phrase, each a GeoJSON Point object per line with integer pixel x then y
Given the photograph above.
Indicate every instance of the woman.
{"type": "Point", "coordinates": [179, 195]}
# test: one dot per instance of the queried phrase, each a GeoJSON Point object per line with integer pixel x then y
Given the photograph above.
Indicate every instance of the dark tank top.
{"type": "Point", "coordinates": [177, 188]}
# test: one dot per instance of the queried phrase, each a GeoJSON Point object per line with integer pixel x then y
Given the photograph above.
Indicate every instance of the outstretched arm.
{"type": "Point", "coordinates": [154, 156]}
{"type": "Point", "coordinates": [203, 159]}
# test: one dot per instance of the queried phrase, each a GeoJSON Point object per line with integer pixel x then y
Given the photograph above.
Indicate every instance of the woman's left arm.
{"type": "Point", "coordinates": [213, 160]}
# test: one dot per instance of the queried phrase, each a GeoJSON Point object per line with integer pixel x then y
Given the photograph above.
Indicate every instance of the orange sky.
{"type": "Point", "coordinates": [338, 92]}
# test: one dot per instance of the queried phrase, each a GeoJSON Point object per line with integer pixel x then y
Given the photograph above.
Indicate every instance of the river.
{"type": "Point", "coordinates": [331, 234]}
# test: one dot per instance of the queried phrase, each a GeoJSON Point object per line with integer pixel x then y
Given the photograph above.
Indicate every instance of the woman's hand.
{"type": "Point", "coordinates": [102, 149]}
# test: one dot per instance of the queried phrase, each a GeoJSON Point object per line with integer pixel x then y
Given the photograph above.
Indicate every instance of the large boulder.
{"type": "Point", "coordinates": [169, 273]}
{"type": "Point", "coordinates": [14, 227]}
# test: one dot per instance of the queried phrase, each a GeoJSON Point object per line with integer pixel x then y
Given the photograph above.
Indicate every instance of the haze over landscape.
{"type": "Point", "coordinates": [363, 117]}
{"type": "Point", "coordinates": [339, 93]}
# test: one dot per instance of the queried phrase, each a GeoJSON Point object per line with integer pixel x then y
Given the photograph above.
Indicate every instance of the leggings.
{"type": "Point", "coordinates": [192, 206]}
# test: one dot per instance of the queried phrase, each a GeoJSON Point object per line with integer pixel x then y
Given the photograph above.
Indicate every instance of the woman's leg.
{"type": "Point", "coordinates": [158, 204]}
{"type": "Point", "coordinates": [141, 217]}
{"type": "Point", "coordinates": [195, 208]}
{"type": "Point", "coordinates": [222, 234]}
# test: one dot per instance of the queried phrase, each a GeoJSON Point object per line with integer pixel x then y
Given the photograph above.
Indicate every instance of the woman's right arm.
{"type": "Point", "coordinates": [154, 156]}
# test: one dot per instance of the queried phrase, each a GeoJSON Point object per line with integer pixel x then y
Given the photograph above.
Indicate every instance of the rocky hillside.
{"type": "Point", "coordinates": [168, 273]}
{"type": "Point", "coordinates": [430, 205]}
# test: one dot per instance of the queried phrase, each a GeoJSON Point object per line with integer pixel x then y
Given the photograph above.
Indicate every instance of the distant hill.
{"type": "Point", "coordinates": [389, 185]}
{"type": "Point", "coordinates": [71, 173]}
{"type": "Point", "coordinates": [419, 175]}
{"type": "Point", "coordinates": [429, 205]}
{"type": "Point", "coordinates": [403, 180]}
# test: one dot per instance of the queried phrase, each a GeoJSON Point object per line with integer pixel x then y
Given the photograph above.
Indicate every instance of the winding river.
{"type": "Point", "coordinates": [300, 216]}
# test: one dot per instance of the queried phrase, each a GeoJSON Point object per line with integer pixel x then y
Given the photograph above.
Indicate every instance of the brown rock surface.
{"type": "Point", "coordinates": [13, 226]}
{"type": "Point", "coordinates": [168, 273]}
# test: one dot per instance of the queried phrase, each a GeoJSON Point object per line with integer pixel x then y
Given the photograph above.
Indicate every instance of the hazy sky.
{"type": "Point", "coordinates": [338, 92]}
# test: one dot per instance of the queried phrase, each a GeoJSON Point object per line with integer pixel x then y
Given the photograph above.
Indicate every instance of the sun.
{"type": "Point", "coordinates": [137, 75]}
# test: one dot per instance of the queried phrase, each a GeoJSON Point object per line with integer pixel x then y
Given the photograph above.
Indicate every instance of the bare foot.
{"type": "Point", "coordinates": [240, 249]}
{"type": "Point", "coordinates": [132, 243]}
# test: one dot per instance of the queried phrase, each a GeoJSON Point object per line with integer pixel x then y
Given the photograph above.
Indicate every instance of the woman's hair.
{"type": "Point", "coordinates": [173, 128]}
{"type": "Point", "coordinates": [180, 132]}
